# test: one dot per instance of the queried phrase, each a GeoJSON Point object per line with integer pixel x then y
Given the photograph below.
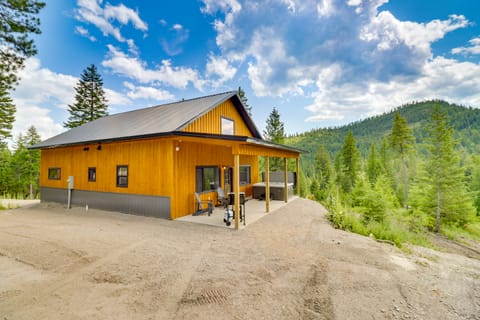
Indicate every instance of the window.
{"type": "Point", "coordinates": [92, 174]}
{"type": "Point", "coordinates": [122, 176]}
{"type": "Point", "coordinates": [207, 178]}
{"type": "Point", "coordinates": [54, 173]}
{"type": "Point", "coordinates": [228, 126]}
{"type": "Point", "coordinates": [244, 175]}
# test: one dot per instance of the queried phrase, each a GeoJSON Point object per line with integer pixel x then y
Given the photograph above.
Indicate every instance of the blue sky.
{"type": "Point", "coordinates": [320, 63]}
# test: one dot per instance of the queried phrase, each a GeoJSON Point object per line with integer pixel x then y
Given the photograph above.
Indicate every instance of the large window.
{"type": "Point", "coordinates": [92, 174]}
{"type": "Point", "coordinates": [54, 173]}
{"type": "Point", "coordinates": [228, 126]}
{"type": "Point", "coordinates": [122, 176]}
{"type": "Point", "coordinates": [244, 175]}
{"type": "Point", "coordinates": [207, 178]}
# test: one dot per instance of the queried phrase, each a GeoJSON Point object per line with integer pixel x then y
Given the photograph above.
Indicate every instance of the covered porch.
{"type": "Point", "coordinates": [221, 151]}
{"type": "Point", "coordinates": [254, 211]}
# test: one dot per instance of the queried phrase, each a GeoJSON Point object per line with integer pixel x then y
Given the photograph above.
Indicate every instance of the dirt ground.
{"type": "Point", "coordinates": [76, 264]}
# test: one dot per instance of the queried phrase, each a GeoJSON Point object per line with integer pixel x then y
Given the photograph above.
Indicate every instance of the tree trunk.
{"type": "Point", "coordinates": [405, 181]}
{"type": "Point", "coordinates": [437, 216]}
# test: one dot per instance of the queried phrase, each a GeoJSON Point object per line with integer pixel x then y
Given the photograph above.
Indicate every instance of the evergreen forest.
{"type": "Point", "coordinates": [400, 176]}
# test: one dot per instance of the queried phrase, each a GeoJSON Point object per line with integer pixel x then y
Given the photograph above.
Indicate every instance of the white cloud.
{"type": "Point", "coordinates": [180, 36]}
{"type": "Point", "coordinates": [28, 115]}
{"type": "Point", "coordinates": [224, 28]}
{"type": "Point", "coordinates": [474, 47]}
{"type": "Point", "coordinates": [39, 93]}
{"type": "Point", "coordinates": [325, 8]}
{"type": "Point", "coordinates": [441, 78]}
{"type": "Point", "coordinates": [351, 57]}
{"type": "Point", "coordinates": [40, 85]}
{"type": "Point", "coordinates": [42, 98]}
{"type": "Point", "coordinates": [84, 33]}
{"type": "Point", "coordinates": [90, 11]}
{"type": "Point", "coordinates": [354, 3]}
{"type": "Point", "coordinates": [115, 98]}
{"type": "Point", "coordinates": [389, 32]}
{"type": "Point", "coordinates": [211, 6]}
{"type": "Point", "coordinates": [124, 15]}
{"type": "Point", "coordinates": [134, 68]}
{"type": "Point", "coordinates": [141, 92]}
{"type": "Point", "coordinates": [220, 67]}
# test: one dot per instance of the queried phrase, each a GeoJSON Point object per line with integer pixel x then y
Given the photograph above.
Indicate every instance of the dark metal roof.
{"type": "Point", "coordinates": [153, 121]}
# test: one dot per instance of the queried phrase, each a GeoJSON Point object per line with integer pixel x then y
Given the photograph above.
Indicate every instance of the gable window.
{"type": "Point", "coordinates": [228, 126]}
{"type": "Point", "coordinates": [54, 173]}
{"type": "Point", "coordinates": [245, 175]}
{"type": "Point", "coordinates": [122, 176]}
{"type": "Point", "coordinates": [92, 174]}
{"type": "Point", "coordinates": [207, 178]}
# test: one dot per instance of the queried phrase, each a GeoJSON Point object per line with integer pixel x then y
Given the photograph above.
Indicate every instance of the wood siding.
{"type": "Point", "coordinates": [163, 166]}
{"type": "Point", "coordinates": [154, 168]}
{"type": "Point", "coordinates": [266, 151]}
{"type": "Point", "coordinates": [148, 166]}
{"type": "Point", "coordinates": [210, 123]}
{"type": "Point", "coordinates": [193, 154]}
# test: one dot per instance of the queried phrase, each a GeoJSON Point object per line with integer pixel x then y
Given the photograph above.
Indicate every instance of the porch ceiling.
{"type": "Point", "coordinates": [244, 145]}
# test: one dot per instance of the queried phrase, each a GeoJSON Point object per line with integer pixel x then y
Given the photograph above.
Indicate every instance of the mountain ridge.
{"type": "Point", "coordinates": [464, 120]}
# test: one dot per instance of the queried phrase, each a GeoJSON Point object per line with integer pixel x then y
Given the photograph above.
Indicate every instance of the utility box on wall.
{"type": "Point", "coordinates": [70, 181]}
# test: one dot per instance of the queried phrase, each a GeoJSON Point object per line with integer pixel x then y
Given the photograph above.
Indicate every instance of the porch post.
{"type": "Point", "coordinates": [236, 188]}
{"type": "Point", "coordinates": [298, 176]}
{"type": "Point", "coordinates": [285, 180]}
{"type": "Point", "coordinates": [267, 184]}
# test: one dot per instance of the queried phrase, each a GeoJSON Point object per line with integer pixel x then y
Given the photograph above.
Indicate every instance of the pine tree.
{"type": "Point", "coordinates": [18, 19]}
{"type": "Point", "coordinates": [350, 157]}
{"type": "Point", "coordinates": [243, 98]}
{"type": "Point", "coordinates": [90, 102]}
{"type": "Point", "coordinates": [402, 142]}
{"type": "Point", "coordinates": [275, 133]}
{"type": "Point", "coordinates": [26, 163]}
{"type": "Point", "coordinates": [475, 185]}
{"type": "Point", "coordinates": [374, 167]}
{"type": "Point", "coordinates": [5, 169]}
{"type": "Point", "coordinates": [445, 193]}
{"type": "Point", "coordinates": [324, 170]}
{"type": "Point", "coordinates": [7, 115]}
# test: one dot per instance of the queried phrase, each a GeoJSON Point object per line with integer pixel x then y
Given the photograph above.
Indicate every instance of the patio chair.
{"type": "Point", "coordinates": [221, 198]}
{"type": "Point", "coordinates": [202, 206]}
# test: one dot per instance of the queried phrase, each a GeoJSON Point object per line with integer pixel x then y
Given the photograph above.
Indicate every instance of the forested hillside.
{"type": "Point", "coordinates": [400, 175]}
{"type": "Point", "coordinates": [465, 121]}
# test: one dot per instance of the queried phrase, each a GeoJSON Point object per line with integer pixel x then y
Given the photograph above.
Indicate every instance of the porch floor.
{"type": "Point", "coordinates": [254, 210]}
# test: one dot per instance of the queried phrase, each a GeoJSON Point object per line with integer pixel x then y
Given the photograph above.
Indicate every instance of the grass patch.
{"type": "Point", "coordinates": [470, 232]}
{"type": "Point", "coordinates": [393, 228]}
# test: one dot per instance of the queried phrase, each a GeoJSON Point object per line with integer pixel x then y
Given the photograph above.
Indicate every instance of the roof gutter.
{"type": "Point", "coordinates": [178, 134]}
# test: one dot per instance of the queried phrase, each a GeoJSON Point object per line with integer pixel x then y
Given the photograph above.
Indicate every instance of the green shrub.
{"type": "Point", "coordinates": [375, 207]}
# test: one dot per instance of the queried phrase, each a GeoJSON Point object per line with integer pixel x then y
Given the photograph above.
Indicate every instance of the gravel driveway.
{"type": "Point", "coordinates": [291, 264]}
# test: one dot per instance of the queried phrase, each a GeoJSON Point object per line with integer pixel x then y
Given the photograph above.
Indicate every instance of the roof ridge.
{"type": "Point", "coordinates": [198, 98]}
{"type": "Point", "coordinates": [171, 103]}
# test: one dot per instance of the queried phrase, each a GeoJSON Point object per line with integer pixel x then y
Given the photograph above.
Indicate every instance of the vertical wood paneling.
{"type": "Point", "coordinates": [192, 155]}
{"type": "Point", "coordinates": [149, 166]}
{"type": "Point", "coordinates": [155, 168]}
{"type": "Point", "coordinates": [211, 121]}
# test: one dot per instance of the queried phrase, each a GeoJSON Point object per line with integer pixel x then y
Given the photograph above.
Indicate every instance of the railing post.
{"type": "Point", "coordinates": [285, 180]}
{"type": "Point", "coordinates": [267, 184]}
{"type": "Point", "coordinates": [236, 188]}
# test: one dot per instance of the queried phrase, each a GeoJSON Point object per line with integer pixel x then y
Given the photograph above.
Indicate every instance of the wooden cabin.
{"type": "Point", "coordinates": [151, 161]}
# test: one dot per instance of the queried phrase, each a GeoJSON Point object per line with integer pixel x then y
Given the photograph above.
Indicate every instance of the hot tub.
{"type": "Point", "coordinates": [277, 190]}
